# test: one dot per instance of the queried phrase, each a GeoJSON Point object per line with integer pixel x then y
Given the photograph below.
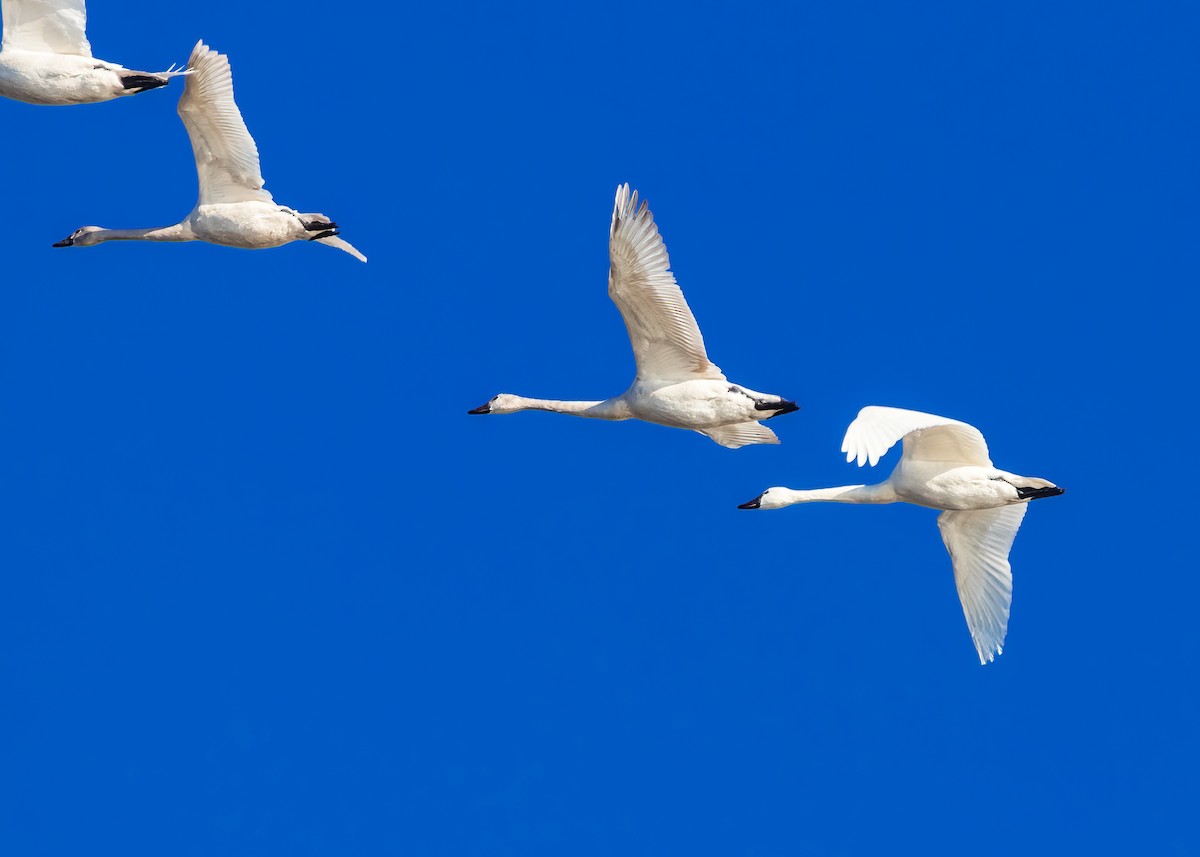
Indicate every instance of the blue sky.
{"type": "Point", "coordinates": [269, 589]}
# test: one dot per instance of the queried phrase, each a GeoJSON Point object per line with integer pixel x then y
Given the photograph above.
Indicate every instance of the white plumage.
{"type": "Point", "coordinates": [676, 384]}
{"type": "Point", "coordinates": [666, 340]}
{"type": "Point", "coordinates": [46, 59]}
{"type": "Point", "coordinates": [945, 465]}
{"type": "Point", "coordinates": [234, 209]}
{"type": "Point", "coordinates": [226, 155]}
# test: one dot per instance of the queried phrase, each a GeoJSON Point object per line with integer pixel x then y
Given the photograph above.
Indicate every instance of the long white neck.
{"type": "Point", "coordinates": [609, 409]}
{"type": "Point", "coordinates": [175, 232]}
{"type": "Point", "coordinates": [880, 493]}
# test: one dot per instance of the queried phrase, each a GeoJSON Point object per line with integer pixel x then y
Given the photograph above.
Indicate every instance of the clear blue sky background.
{"type": "Point", "coordinates": [269, 590]}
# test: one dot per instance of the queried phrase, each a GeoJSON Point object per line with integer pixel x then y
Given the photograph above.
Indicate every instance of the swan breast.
{"type": "Point", "coordinates": [692, 404]}
{"type": "Point", "coordinates": [953, 488]}
{"type": "Point", "coordinates": [250, 225]}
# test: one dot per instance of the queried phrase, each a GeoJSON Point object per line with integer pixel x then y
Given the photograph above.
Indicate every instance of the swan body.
{"type": "Point", "coordinates": [45, 58]}
{"type": "Point", "coordinates": [676, 384]}
{"type": "Point", "coordinates": [945, 465]}
{"type": "Point", "coordinates": [234, 209]}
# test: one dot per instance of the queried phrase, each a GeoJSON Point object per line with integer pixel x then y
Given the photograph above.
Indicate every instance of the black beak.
{"type": "Point", "coordinates": [482, 409]}
{"type": "Point", "coordinates": [753, 504]}
{"type": "Point", "coordinates": [66, 242]}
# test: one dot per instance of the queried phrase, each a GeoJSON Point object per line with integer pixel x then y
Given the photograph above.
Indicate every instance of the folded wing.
{"type": "Point", "coordinates": [50, 26]}
{"type": "Point", "coordinates": [226, 157]}
{"type": "Point", "coordinates": [979, 543]}
{"type": "Point", "coordinates": [927, 437]}
{"type": "Point", "coordinates": [666, 340]}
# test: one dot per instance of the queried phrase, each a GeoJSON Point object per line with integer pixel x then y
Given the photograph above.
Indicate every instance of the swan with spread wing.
{"type": "Point", "coordinates": [234, 209]}
{"type": "Point", "coordinates": [676, 384]}
{"type": "Point", "coordinates": [945, 465]}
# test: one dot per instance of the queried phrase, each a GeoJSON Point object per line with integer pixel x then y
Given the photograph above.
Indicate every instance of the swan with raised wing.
{"type": "Point", "coordinates": [676, 384]}
{"type": "Point", "coordinates": [945, 465]}
{"type": "Point", "coordinates": [234, 208]}
{"type": "Point", "coordinates": [45, 58]}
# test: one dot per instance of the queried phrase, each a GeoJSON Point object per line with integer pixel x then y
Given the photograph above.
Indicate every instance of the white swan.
{"type": "Point", "coordinates": [45, 58]}
{"type": "Point", "coordinates": [234, 209]}
{"type": "Point", "coordinates": [676, 384]}
{"type": "Point", "coordinates": [945, 465]}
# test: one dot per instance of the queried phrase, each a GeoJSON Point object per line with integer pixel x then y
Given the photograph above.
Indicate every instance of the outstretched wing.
{"type": "Point", "coordinates": [50, 26]}
{"type": "Point", "coordinates": [979, 542]}
{"type": "Point", "coordinates": [226, 157]}
{"type": "Point", "coordinates": [666, 341]}
{"type": "Point", "coordinates": [927, 437]}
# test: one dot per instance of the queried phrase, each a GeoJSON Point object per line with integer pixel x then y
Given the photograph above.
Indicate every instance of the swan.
{"type": "Point", "coordinates": [45, 58]}
{"type": "Point", "coordinates": [234, 208]}
{"type": "Point", "coordinates": [676, 385]}
{"type": "Point", "coordinates": [945, 465]}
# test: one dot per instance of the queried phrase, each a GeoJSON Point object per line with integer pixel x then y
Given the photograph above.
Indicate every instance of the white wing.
{"type": "Point", "coordinates": [49, 26]}
{"type": "Point", "coordinates": [334, 241]}
{"type": "Point", "coordinates": [666, 340]}
{"type": "Point", "coordinates": [226, 157]}
{"type": "Point", "coordinates": [927, 437]}
{"type": "Point", "coordinates": [979, 542]}
{"type": "Point", "coordinates": [740, 434]}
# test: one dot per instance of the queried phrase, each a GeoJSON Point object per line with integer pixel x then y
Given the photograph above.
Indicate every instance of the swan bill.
{"type": "Point", "coordinates": [66, 242]}
{"type": "Point", "coordinates": [482, 409]}
{"type": "Point", "coordinates": [753, 504]}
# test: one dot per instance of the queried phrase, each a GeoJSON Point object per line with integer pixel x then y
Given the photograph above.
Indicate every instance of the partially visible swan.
{"type": "Point", "coordinates": [46, 59]}
{"type": "Point", "coordinates": [234, 208]}
{"type": "Point", "coordinates": [676, 384]}
{"type": "Point", "coordinates": [945, 465]}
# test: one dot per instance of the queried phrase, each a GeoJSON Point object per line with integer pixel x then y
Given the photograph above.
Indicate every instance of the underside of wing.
{"type": "Point", "coordinates": [927, 437]}
{"type": "Point", "coordinates": [666, 340]}
{"type": "Point", "coordinates": [226, 157]}
{"type": "Point", "coordinates": [741, 434]}
{"type": "Point", "coordinates": [52, 26]}
{"type": "Point", "coordinates": [979, 543]}
{"type": "Point", "coordinates": [334, 241]}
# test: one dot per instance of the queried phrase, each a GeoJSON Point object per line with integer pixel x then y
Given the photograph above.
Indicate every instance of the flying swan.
{"type": "Point", "coordinates": [945, 465]}
{"type": "Point", "coordinates": [234, 208]}
{"type": "Point", "coordinates": [676, 385]}
{"type": "Point", "coordinates": [45, 58]}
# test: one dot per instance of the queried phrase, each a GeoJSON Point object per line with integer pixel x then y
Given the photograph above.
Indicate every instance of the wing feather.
{"type": "Point", "coordinates": [49, 26]}
{"type": "Point", "coordinates": [666, 339]}
{"type": "Point", "coordinates": [226, 157]}
{"type": "Point", "coordinates": [740, 434]}
{"type": "Point", "coordinates": [334, 241]}
{"type": "Point", "coordinates": [979, 543]}
{"type": "Point", "coordinates": [927, 437]}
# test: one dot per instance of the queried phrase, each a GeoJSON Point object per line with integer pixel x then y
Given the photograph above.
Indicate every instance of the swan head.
{"type": "Point", "coordinates": [82, 237]}
{"type": "Point", "coordinates": [504, 403]}
{"type": "Point", "coordinates": [766, 500]}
